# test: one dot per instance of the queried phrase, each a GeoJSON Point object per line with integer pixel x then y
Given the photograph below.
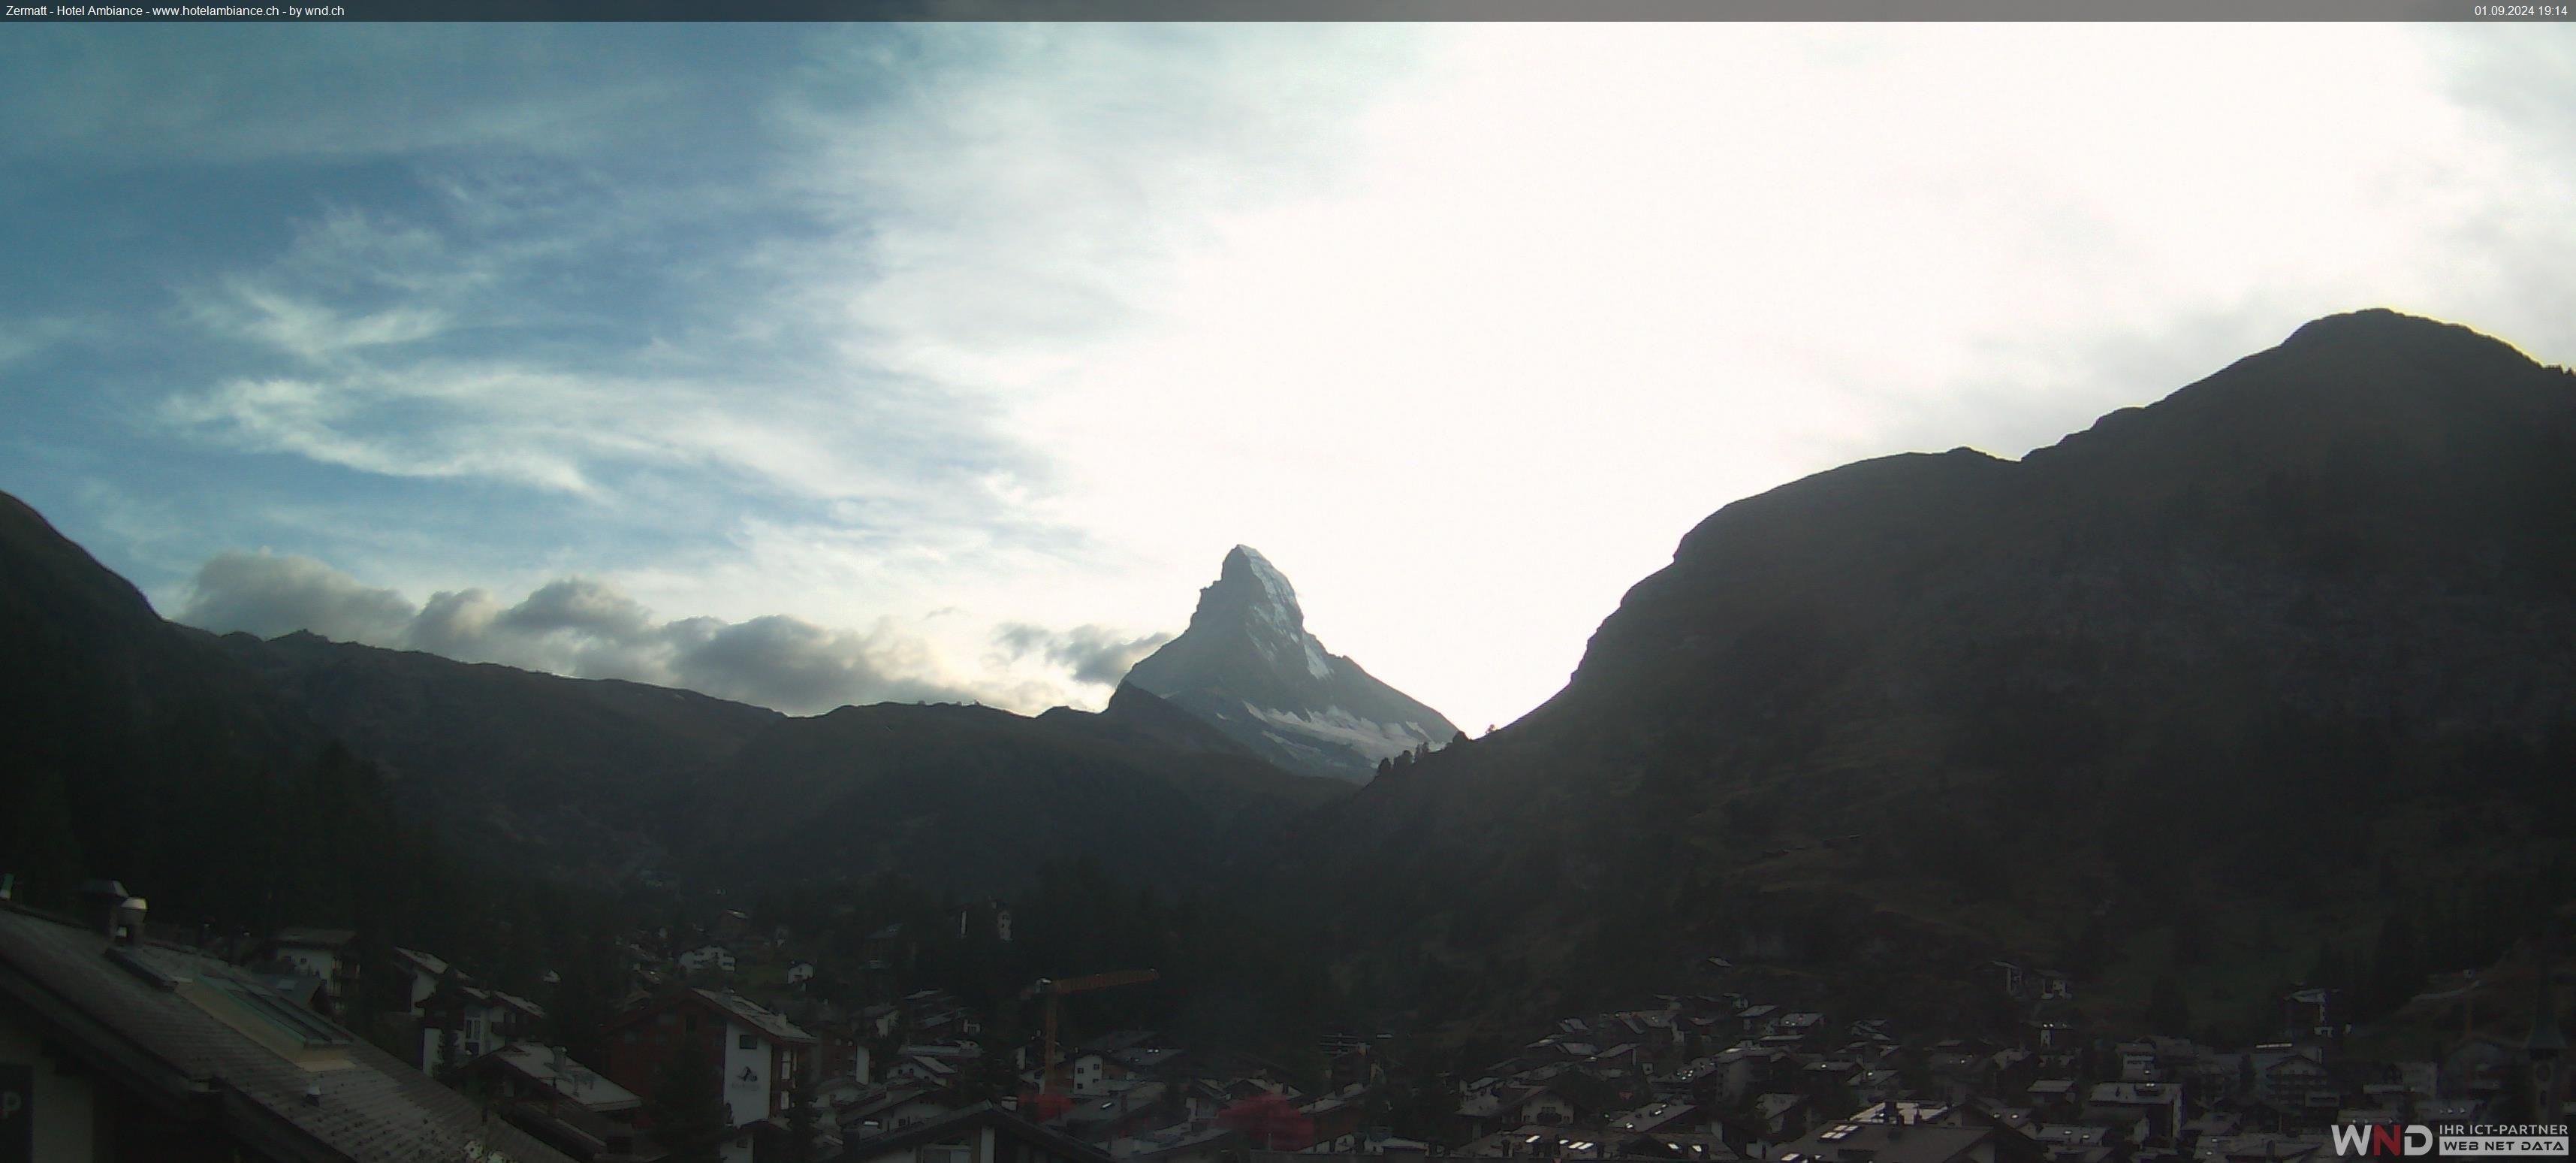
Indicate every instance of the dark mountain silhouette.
{"type": "Point", "coordinates": [142, 751]}
{"type": "Point", "coordinates": [978, 798]}
{"type": "Point", "coordinates": [146, 750]}
{"type": "Point", "coordinates": [2270, 661]}
{"type": "Point", "coordinates": [609, 779]}
{"type": "Point", "coordinates": [524, 766]}
{"type": "Point", "coordinates": [1247, 666]}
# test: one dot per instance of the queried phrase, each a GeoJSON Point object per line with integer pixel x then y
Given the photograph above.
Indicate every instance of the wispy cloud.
{"type": "Point", "coordinates": [484, 347]}
{"type": "Point", "coordinates": [1093, 654]}
{"type": "Point", "coordinates": [24, 339]}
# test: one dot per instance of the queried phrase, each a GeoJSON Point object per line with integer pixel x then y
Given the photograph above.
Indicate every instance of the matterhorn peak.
{"type": "Point", "coordinates": [1247, 666]}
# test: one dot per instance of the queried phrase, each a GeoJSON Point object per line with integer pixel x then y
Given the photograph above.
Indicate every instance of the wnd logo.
{"type": "Point", "coordinates": [2385, 1139]}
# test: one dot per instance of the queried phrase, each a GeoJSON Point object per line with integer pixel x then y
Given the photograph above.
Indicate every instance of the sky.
{"type": "Point", "coordinates": [810, 365]}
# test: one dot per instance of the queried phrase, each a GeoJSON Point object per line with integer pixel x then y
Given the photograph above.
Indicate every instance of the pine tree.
{"type": "Point", "coordinates": [2092, 950]}
{"type": "Point", "coordinates": [43, 850]}
{"type": "Point", "coordinates": [2326, 972]}
{"type": "Point", "coordinates": [801, 1121]}
{"type": "Point", "coordinates": [2168, 1011]}
{"type": "Point", "coordinates": [688, 1110]}
{"type": "Point", "coordinates": [451, 1055]}
{"type": "Point", "coordinates": [2397, 965]}
{"type": "Point", "coordinates": [2191, 938]}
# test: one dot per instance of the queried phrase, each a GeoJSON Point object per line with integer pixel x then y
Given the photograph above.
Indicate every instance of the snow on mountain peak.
{"type": "Point", "coordinates": [1243, 565]}
{"type": "Point", "coordinates": [1247, 665]}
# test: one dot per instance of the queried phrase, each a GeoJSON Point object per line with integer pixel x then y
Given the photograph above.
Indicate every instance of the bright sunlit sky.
{"type": "Point", "coordinates": [811, 365]}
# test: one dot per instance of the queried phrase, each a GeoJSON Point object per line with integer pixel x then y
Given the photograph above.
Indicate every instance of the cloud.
{"type": "Point", "coordinates": [24, 339]}
{"type": "Point", "coordinates": [1093, 654]}
{"type": "Point", "coordinates": [269, 595]}
{"type": "Point", "coordinates": [202, 94]}
{"type": "Point", "coordinates": [787, 662]}
{"type": "Point", "coordinates": [553, 329]}
{"type": "Point", "coordinates": [588, 629]}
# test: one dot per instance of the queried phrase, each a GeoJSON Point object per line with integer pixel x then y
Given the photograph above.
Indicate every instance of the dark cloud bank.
{"type": "Point", "coordinates": [589, 630]}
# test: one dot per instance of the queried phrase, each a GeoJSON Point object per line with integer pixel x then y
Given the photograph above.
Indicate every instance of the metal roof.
{"type": "Point", "coordinates": [133, 1019]}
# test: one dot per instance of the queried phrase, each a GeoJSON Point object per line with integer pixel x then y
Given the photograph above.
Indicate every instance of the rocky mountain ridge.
{"type": "Point", "coordinates": [1247, 666]}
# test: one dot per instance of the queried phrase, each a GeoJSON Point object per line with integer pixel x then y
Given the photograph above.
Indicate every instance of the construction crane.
{"type": "Point", "coordinates": [1055, 988]}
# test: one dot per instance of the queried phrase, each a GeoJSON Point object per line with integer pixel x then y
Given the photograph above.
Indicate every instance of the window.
{"type": "Point", "coordinates": [947, 1153]}
{"type": "Point", "coordinates": [748, 1042]}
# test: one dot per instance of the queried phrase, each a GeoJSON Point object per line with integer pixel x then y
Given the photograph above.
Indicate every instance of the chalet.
{"type": "Point", "coordinates": [1542, 1106]}
{"type": "Point", "coordinates": [567, 1105]}
{"type": "Point", "coordinates": [2310, 1013]}
{"type": "Point", "coordinates": [424, 972]}
{"type": "Point", "coordinates": [707, 957]}
{"type": "Point", "coordinates": [1116, 1040]}
{"type": "Point", "coordinates": [2053, 1098]}
{"type": "Point", "coordinates": [1747, 1070]}
{"type": "Point", "coordinates": [1910, 1112]}
{"type": "Point", "coordinates": [528, 1071]}
{"type": "Point", "coordinates": [773, 1138]}
{"type": "Point", "coordinates": [327, 954]}
{"type": "Point", "coordinates": [125, 1050]}
{"type": "Point", "coordinates": [1336, 1118]}
{"type": "Point", "coordinates": [2159, 1104]}
{"type": "Point", "coordinates": [2294, 1078]}
{"type": "Point", "coordinates": [977, 1134]}
{"type": "Point", "coordinates": [928, 1071]}
{"type": "Point", "coordinates": [460, 1022]}
{"type": "Point", "coordinates": [1800, 1024]}
{"type": "Point", "coordinates": [1090, 1071]}
{"type": "Point", "coordinates": [1782, 1116]}
{"type": "Point", "coordinates": [2045, 1033]}
{"type": "Point", "coordinates": [2479, 1066]}
{"type": "Point", "coordinates": [1153, 1061]}
{"type": "Point", "coordinates": [759, 1054]}
{"type": "Point", "coordinates": [884, 1110]}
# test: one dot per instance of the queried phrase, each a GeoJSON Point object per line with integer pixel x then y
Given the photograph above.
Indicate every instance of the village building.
{"type": "Point", "coordinates": [567, 1105]}
{"type": "Point", "coordinates": [759, 1055]}
{"type": "Point", "coordinates": [460, 1022]}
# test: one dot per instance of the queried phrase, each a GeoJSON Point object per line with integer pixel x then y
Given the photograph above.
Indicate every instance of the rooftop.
{"type": "Point", "coordinates": [550, 1067]}
{"type": "Point", "coordinates": [186, 1033]}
